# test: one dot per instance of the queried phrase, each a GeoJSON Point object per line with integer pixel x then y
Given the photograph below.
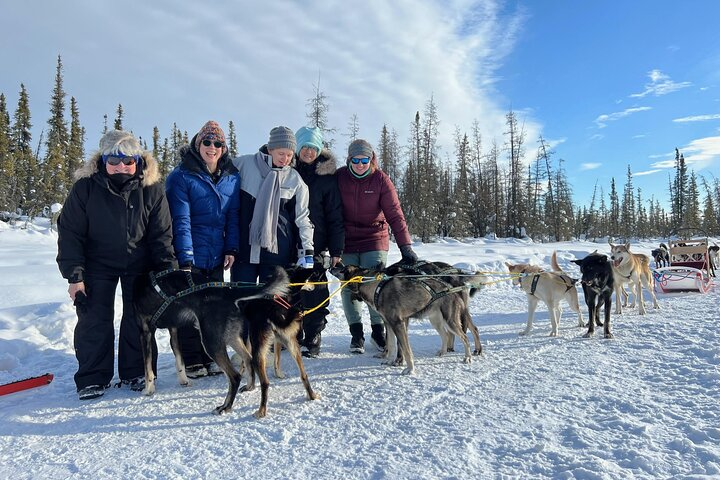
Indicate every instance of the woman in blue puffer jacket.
{"type": "Point", "coordinates": [204, 199]}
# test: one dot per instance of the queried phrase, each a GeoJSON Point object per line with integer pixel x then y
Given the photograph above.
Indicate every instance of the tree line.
{"type": "Point", "coordinates": [475, 191]}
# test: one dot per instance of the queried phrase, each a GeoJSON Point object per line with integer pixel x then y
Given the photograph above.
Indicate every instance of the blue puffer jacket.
{"type": "Point", "coordinates": [204, 209]}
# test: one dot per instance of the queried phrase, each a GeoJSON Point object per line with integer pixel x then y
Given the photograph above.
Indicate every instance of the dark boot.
{"type": "Point", "coordinates": [357, 343]}
{"type": "Point", "coordinates": [311, 349]}
{"type": "Point", "coordinates": [378, 336]}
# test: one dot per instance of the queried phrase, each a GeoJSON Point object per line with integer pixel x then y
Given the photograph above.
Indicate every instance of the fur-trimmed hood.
{"type": "Point", "coordinates": [324, 164]}
{"type": "Point", "coordinates": [150, 174]}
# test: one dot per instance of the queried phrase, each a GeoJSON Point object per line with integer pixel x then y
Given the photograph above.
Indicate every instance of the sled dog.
{"type": "Point", "coordinates": [634, 269]}
{"type": "Point", "coordinates": [550, 287]}
{"type": "Point", "coordinates": [661, 255]}
{"type": "Point", "coordinates": [455, 278]}
{"type": "Point", "coordinates": [399, 298]}
{"type": "Point", "coordinates": [713, 253]}
{"type": "Point", "coordinates": [598, 285]}
{"type": "Point", "coordinates": [219, 312]}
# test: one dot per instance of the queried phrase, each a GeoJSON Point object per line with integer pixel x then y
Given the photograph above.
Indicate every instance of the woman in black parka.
{"type": "Point", "coordinates": [316, 166]}
{"type": "Point", "coordinates": [114, 225]}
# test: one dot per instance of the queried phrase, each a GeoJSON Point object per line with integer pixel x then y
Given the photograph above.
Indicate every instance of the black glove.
{"type": "Point", "coordinates": [408, 256]}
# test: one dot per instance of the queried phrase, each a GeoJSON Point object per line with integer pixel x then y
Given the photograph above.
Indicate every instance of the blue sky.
{"type": "Point", "coordinates": [608, 83]}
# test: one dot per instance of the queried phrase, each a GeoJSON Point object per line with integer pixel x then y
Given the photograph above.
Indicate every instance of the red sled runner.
{"type": "Point", "coordinates": [26, 384]}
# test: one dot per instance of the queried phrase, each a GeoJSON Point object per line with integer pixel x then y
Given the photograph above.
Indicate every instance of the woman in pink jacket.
{"type": "Point", "coordinates": [370, 205]}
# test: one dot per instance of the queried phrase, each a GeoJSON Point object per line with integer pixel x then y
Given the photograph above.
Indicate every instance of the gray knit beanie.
{"type": "Point", "coordinates": [119, 141]}
{"type": "Point", "coordinates": [360, 147]}
{"type": "Point", "coordinates": [282, 137]}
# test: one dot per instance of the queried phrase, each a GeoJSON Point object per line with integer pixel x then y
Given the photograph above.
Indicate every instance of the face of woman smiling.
{"type": "Point", "coordinates": [210, 155]}
{"type": "Point", "coordinates": [281, 157]}
{"type": "Point", "coordinates": [360, 168]}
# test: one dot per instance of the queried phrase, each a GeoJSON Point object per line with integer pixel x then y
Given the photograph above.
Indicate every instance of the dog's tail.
{"type": "Point", "coordinates": [553, 262]}
{"type": "Point", "coordinates": [279, 284]}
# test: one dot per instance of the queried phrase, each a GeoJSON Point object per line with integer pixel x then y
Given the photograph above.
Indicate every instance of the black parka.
{"type": "Point", "coordinates": [103, 231]}
{"type": "Point", "coordinates": [325, 203]}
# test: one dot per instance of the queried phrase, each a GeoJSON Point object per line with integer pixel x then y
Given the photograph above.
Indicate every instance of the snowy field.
{"type": "Point", "coordinates": [642, 405]}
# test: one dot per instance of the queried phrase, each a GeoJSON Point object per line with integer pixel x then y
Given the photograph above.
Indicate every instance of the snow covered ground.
{"type": "Point", "coordinates": [643, 405]}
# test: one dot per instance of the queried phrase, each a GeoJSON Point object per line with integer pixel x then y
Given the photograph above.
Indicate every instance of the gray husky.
{"type": "Point", "coordinates": [401, 297]}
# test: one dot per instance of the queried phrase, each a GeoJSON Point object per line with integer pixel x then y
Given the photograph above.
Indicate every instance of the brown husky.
{"type": "Point", "coordinates": [634, 269]}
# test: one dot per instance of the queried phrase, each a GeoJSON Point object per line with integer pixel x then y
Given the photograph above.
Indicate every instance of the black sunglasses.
{"type": "Point", "coordinates": [216, 143]}
{"type": "Point", "coordinates": [116, 160]}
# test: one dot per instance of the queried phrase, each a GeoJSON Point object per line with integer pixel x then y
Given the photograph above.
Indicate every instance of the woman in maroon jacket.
{"type": "Point", "coordinates": [370, 204]}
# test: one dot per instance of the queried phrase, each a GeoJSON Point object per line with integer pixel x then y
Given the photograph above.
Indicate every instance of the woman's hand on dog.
{"type": "Point", "coordinates": [74, 288]}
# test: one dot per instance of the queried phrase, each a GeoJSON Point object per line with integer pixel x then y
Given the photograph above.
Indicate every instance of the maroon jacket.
{"type": "Point", "coordinates": [369, 205]}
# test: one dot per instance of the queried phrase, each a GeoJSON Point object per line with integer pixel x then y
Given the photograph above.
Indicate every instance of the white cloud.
{"type": "Point", "coordinates": [699, 154]}
{"type": "Point", "coordinates": [698, 118]}
{"type": "Point", "coordinates": [597, 136]}
{"type": "Point", "coordinates": [660, 84]}
{"type": "Point", "coordinates": [590, 166]}
{"type": "Point", "coordinates": [647, 172]}
{"type": "Point", "coordinates": [601, 121]}
{"type": "Point", "coordinates": [639, 135]}
{"type": "Point", "coordinates": [256, 63]}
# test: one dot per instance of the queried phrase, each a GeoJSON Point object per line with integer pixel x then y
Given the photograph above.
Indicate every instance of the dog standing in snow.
{"type": "Point", "coordinates": [634, 269]}
{"type": "Point", "coordinates": [551, 288]}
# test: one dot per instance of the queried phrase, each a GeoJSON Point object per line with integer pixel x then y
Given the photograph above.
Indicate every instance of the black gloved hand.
{"type": "Point", "coordinates": [408, 256]}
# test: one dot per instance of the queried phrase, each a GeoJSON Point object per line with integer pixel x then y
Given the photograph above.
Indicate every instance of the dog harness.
{"type": "Point", "coordinates": [536, 277]}
{"type": "Point", "coordinates": [192, 287]}
{"type": "Point", "coordinates": [447, 289]}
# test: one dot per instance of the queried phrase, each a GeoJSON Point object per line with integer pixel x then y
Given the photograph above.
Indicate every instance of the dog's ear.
{"type": "Point", "coordinates": [577, 262]}
{"type": "Point", "coordinates": [610, 243]}
{"type": "Point", "coordinates": [593, 253]}
{"type": "Point", "coordinates": [627, 246]}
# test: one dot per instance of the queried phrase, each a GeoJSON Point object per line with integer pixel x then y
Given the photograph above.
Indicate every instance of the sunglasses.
{"type": "Point", "coordinates": [364, 160]}
{"type": "Point", "coordinates": [216, 143]}
{"type": "Point", "coordinates": [119, 158]}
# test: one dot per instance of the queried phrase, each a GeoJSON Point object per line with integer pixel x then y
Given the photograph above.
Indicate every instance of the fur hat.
{"type": "Point", "coordinates": [360, 147]}
{"type": "Point", "coordinates": [210, 131]}
{"type": "Point", "coordinates": [281, 137]}
{"type": "Point", "coordinates": [309, 137]}
{"type": "Point", "coordinates": [119, 141]}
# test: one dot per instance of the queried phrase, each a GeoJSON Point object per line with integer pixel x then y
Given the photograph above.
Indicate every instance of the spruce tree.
{"type": "Point", "coordinates": [119, 115]}
{"type": "Point", "coordinates": [232, 140]}
{"type": "Point", "coordinates": [54, 183]}
{"type": "Point", "coordinates": [627, 208]}
{"type": "Point", "coordinates": [26, 166]}
{"type": "Point", "coordinates": [614, 223]}
{"type": "Point", "coordinates": [692, 207]}
{"type": "Point", "coordinates": [76, 147]}
{"type": "Point", "coordinates": [7, 166]}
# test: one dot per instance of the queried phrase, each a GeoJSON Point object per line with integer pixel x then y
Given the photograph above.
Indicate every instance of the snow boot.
{"type": "Point", "coordinates": [357, 342]}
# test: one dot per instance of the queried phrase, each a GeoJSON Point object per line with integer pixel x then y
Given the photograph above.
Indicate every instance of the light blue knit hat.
{"type": "Point", "coordinates": [309, 137]}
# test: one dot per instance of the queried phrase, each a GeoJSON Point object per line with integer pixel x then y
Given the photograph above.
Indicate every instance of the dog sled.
{"type": "Point", "coordinates": [690, 267]}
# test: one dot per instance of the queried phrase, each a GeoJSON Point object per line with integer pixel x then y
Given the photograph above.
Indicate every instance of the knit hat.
{"type": "Point", "coordinates": [309, 137]}
{"type": "Point", "coordinates": [119, 141]}
{"type": "Point", "coordinates": [281, 137]}
{"type": "Point", "coordinates": [360, 147]}
{"type": "Point", "coordinates": [210, 131]}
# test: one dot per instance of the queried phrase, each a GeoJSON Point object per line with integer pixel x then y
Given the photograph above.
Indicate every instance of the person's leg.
{"type": "Point", "coordinates": [353, 309]}
{"type": "Point", "coordinates": [377, 325]}
{"type": "Point", "coordinates": [130, 357]}
{"type": "Point", "coordinates": [314, 323]}
{"type": "Point", "coordinates": [94, 336]}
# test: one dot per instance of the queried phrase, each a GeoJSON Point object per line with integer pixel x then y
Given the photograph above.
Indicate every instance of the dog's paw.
{"type": "Point", "coordinates": [588, 334]}
{"type": "Point", "coordinates": [261, 412]}
{"type": "Point", "coordinates": [313, 395]}
{"type": "Point", "coordinates": [149, 390]}
{"type": "Point", "coordinates": [246, 388]}
{"type": "Point", "coordinates": [279, 374]}
{"type": "Point", "coordinates": [524, 332]}
{"type": "Point", "coordinates": [553, 334]}
{"type": "Point", "coordinates": [221, 410]}
{"type": "Point", "coordinates": [467, 360]}
{"type": "Point", "coordinates": [609, 335]}
{"type": "Point", "coordinates": [440, 353]}
{"type": "Point", "coordinates": [408, 371]}
{"type": "Point", "coordinates": [477, 352]}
